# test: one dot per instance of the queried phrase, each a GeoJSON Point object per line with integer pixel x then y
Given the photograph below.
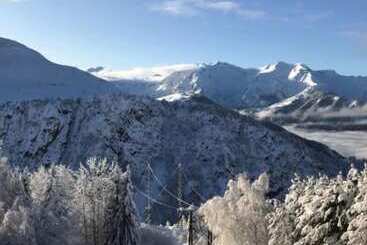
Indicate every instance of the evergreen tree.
{"type": "Point", "coordinates": [120, 219]}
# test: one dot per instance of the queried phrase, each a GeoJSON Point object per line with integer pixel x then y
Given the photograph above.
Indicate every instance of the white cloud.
{"type": "Point", "coordinates": [195, 7]}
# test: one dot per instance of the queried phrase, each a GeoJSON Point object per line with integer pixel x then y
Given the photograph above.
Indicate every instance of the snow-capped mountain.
{"type": "Point", "coordinates": [327, 94]}
{"type": "Point", "coordinates": [236, 87]}
{"type": "Point", "coordinates": [314, 105]}
{"type": "Point", "coordinates": [212, 143]}
{"type": "Point", "coordinates": [25, 74]}
{"type": "Point", "coordinates": [257, 88]}
{"type": "Point", "coordinates": [275, 91]}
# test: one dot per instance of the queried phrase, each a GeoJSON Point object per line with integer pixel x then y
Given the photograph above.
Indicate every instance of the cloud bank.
{"type": "Point", "coordinates": [196, 7]}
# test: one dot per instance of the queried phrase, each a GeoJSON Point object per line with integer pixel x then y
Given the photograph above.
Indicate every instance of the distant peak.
{"type": "Point", "coordinates": [221, 64]}
{"type": "Point", "coordinates": [280, 66]}
{"type": "Point", "coordinates": [284, 67]}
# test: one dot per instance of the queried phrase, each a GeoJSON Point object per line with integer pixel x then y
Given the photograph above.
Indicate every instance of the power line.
{"type": "Point", "coordinates": [154, 200]}
{"type": "Point", "coordinates": [192, 188]}
{"type": "Point", "coordinates": [166, 190]}
{"type": "Point", "coordinates": [162, 189]}
{"type": "Point", "coordinates": [148, 189]}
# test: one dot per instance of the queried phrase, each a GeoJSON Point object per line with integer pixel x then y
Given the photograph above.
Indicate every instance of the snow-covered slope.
{"type": "Point", "coordinates": [26, 74]}
{"type": "Point", "coordinates": [257, 88]}
{"type": "Point", "coordinates": [314, 105]}
{"type": "Point", "coordinates": [152, 74]}
{"type": "Point", "coordinates": [234, 86]}
{"type": "Point", "coordinates": [254, 89]}
{"type": "Point", "coordinates": [212, 143]}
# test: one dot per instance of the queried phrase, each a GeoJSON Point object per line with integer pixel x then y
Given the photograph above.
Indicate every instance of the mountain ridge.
{"type": "Point", "coordinates": [212, 142]}
{"type": "Point", "coordinates": [25, 74]}
{"type": "Point", "coordinates": [261, 90]}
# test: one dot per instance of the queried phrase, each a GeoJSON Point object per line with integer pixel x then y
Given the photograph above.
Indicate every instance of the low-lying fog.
{"type": "Point", "coordinates": [347, 143]}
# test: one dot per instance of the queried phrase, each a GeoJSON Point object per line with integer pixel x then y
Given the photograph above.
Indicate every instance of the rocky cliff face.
{"type": "Point", "coordinates": [212, 143]}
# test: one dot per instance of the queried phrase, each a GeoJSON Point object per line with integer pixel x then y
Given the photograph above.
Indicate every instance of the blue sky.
{"type": "Point", "coordinates": [122, 34]}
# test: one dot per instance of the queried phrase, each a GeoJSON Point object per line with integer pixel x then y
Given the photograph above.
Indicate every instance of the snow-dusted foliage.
{"type": "Point", "coordinates": [55, 205]}
{"type": "Point", "coordinates": [238, 218]}
{"type": "Point", "coordinates": [322, 211]}
{"type": "Point", "coordinates": [357, 228]}
{"type": "Point", "coordinates": [51, 192]}
{"type": "Point", "coordinates": [120, 220]}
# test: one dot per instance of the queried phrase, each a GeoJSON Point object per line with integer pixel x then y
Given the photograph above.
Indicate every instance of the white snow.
{"type": "Point", "coordinates": [153, 74]}
{"type": "Point", "coordinates": [307, 79]}
{"type": "Point", "coordinates": [354, 103]}
{"type": "Point", "coordinates": [271, 109]}
{"type": "Point", "coordinates": [174, 97]}
{"type": "Point", "coordinates": [297, 69]}
{"type": "Point", "coordinates": [267, 69]}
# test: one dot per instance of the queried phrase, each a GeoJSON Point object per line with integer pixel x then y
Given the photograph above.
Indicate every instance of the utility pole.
{"type": "Point", "coordinates": [190, 237]}
{"type": "Point", "coordinates": [180, 193]}
{"type": "Point", "coordinates": [210, 237]}
{"type": "Point", "coordinates": [148, 190]}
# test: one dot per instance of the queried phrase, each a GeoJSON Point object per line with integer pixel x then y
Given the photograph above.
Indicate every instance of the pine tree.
{"type": "Point", "coordinates": [120, 219]}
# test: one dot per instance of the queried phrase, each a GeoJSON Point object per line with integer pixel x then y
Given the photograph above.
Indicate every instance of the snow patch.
{"type": "Point", "coordinates": [267, 69]}
{"type": "Point", "coordinates": [174, 97]}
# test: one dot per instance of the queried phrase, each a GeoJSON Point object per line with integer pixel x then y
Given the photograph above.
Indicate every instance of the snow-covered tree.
{"type": "Point", "coordinates": [17, 225]}
{"type": "Point", "coordinates": [104, 201]}
{"type": "Point", "coordinates": [315, 211]}
{"type": "Point", "coordinates": [51, 192]}
{"type": "Point", "coordinates": [280, 226]}
{"type": "Point", "coordinates": [357, 223]}
{"type": "Point", "coordinates": [121, 222]}
{"type": "Point", "coordinates": [10, 185]}
{"type": "Point", "coordinates": [15, 207]}
{"type": "Point", "coordinates": [93, 186]}
{"type": "Point", "coordinates": [238, 218]}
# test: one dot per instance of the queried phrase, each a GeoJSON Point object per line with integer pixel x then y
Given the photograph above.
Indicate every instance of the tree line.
{"type": "Point", "coordinates": [316, 210]}
{"type": "Point", "coordinates": [58, 206]}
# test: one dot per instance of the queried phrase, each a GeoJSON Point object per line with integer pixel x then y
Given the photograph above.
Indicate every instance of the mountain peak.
{"type": "Point", "coordinates": [278, 67]}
